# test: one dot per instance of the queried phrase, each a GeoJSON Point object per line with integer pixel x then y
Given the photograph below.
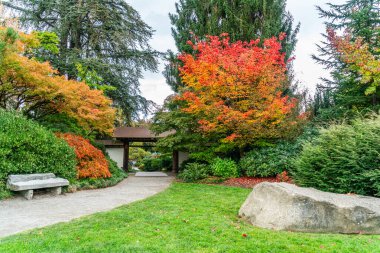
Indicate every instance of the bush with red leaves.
{"type": "Point", "coordinates": [250, 182]}
{"type": "Point", "coordinates": [91, 162]}
{"type": "Point", "coordinates": [284, 177]}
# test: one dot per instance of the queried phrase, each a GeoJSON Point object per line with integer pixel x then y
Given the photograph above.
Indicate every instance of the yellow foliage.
{"type": "Point", "coordinates": [36, 88]}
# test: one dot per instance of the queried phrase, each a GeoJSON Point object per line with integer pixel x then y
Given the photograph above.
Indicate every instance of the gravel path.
{"type": "Point", "coordinates": [18, 214]}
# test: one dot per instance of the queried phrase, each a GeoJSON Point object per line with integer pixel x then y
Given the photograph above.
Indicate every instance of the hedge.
{"type": "Point", "coordinates": [343, 159]}
{"type": "Point", "coordinates": [26, 148]}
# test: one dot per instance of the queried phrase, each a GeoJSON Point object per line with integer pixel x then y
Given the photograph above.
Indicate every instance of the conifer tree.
{"type": "Point", "coordinates": [339, 95]}
{"type": "Point", "coordinates": [104, 37]}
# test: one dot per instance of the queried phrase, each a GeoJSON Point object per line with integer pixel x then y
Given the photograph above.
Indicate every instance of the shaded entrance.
{"type": "Point", "coordinates": [128, 135]}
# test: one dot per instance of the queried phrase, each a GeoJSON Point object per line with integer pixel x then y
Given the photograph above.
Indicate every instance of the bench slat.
{"type": "Point", "coordinates": [28, 177]}
{"type": "Point", "coordinates": [37, 184]}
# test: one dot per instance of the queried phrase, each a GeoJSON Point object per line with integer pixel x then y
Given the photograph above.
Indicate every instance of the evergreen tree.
{"type": "Point", "coordinates": [107, 38]}
{"type": "Point", "coordinates": [241, 19]}
{"type": "Point", "coordinates": [339, 96]}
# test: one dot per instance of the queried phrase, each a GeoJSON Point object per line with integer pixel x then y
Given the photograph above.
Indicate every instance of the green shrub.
{"type": "Point", "coordinates": [62, 123]}
{"type": "Point", "coordinates": [268, 161]}
{"type": "Point", "coordinates": [138, 154]}
{"type": "Point", "coordinates": [27, 147]}
{"type": "Point", "coordinates": [167, 162]}
{"type": "Point", "coordinates": [225, 168]}
{"type": "Point", "coordinates": [194, 172]}
{"type": "Point", "coordinates": [149, 165]}
{"type": "Point", "coordinates": [206, 156]}
{"type": "Point", "coordinates": [157, 163]}
{"type": "Point", "coordinates": [343, 159]}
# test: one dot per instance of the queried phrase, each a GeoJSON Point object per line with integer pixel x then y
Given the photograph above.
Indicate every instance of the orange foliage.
{"type": "Point", "coordinates": [91, 161]}
{"type": "Point", "coordinates": [34, 87]}
{"type": "Point", "coordinates": [235, 89]}
{"type": "Point", "coordinates": [359, 59]}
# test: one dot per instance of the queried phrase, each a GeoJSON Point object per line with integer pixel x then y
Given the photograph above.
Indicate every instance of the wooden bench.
{"type": "Point", "coordinates": [27, 183]}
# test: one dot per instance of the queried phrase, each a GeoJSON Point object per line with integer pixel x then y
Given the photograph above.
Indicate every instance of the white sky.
{"type": "Point", "coordinates": [155, 14]}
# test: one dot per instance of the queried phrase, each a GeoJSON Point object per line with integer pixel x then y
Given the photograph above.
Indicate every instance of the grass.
{"type": "Point", "coordinates": [184, 218]}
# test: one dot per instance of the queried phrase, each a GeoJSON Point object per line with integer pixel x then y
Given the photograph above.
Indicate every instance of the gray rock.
{"type": "Point", "coordinates": [282, 206]}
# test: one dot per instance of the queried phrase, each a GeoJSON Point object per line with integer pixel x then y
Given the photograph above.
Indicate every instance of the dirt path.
{"type": "Point", "coordinates": [18, 214]}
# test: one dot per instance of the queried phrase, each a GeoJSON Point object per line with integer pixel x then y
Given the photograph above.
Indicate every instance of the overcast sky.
{"type": "Point", "coordinates": [155, 14]}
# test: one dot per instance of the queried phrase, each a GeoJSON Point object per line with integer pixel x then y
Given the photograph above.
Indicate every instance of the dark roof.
{"type": "Point", "coordinates": [137, 133]}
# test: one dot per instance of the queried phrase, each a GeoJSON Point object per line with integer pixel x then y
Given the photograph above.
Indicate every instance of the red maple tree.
{"type": "Point", "coordinates": [236, 89]}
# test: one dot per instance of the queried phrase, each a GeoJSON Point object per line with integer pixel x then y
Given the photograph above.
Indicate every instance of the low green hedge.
{"type": "Point", "coordinates": [157, 163]}
{"type": "Point", "coordinates": [343, 159]}
{"type": "Point", "coordinates": [224, 168]}
{"type": "Point", "coordinates": [268, 161]}
{"type": "Point", "coordinates": [26, 148]}
{"type": "Point", "coordinates": [194, 172]}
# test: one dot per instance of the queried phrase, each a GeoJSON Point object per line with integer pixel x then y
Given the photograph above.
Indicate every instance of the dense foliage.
{"type": "Point", "coordinates": [91, 162]}
{"type": "Point", "coordinates": [343, 159]}
{"type": "Point", "coordinates": [107, 38]}
{"type": "Point", "coordinates": [234, 90]}
{"type": "Point", "coordinates": [62, 123]}
{"type": "Point", "coordinates": [357, 55]}
{"type": "Point", "coordinates": [269, 161]}
{"type": "Point", "coordinates": [342, 96]}
{"type": "Point", "coordinates": [194, 172]}
{"type": "Point", "coordinates": [242, 20]}
{"type": "Point", "coordinates": [35, 89]}
{"type": "Point", "coordinates": [26, 147]}
{"type": "Point", "coordinates": [117, 175]}
{"type": "Point", "coordinates": [224, 168]}
{"type": "Point", "coordinates": [153, 163]}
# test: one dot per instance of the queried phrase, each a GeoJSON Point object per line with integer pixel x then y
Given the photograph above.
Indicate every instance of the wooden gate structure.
{"type": "Point", "coordinates": [128, 135]}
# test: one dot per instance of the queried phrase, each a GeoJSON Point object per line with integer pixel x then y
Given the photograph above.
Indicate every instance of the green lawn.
{"type": "Point", "coordinates": [185, 218]}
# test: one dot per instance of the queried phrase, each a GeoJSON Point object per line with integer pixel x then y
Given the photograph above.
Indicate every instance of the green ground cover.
{"type": "Point", "coordinates": [184, 218]}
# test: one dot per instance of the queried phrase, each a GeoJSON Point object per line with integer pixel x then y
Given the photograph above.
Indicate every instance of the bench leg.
{"type": "Point", "coordinates": [28, 194]}
{"type": "Point", "coordinates": [56, 190]}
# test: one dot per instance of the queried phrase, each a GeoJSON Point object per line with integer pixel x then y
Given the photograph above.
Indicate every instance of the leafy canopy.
{"type": "Point", "coordinates": [234, 90]}
{"type": "Point", "coordinates": [37, 90]}
{"type": "Point", "coordinates": [242, 20]}
{"type": "Point", "coordinates": [358, 57]}
{"type": "Point", "coordinates": [107, 38]}
{"type": "Point", "coordinates": [340, 95]}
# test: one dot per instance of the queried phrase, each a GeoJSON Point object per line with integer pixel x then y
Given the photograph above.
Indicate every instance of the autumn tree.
{"type": "Point", "coordinates": [107, 38]}
{"type": "Point", "coordinates": [38, 90]}
{"type": "Point", "coordinates": [359, 58]}
{"type": "Point", "coordinates": [242, 20]}
{"type": "Point", "coordinates": [340, 95]}
{"type": "Point", "coordinates": [233, 92]}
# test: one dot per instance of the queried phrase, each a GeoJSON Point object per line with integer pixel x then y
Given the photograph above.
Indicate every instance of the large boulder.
{"type": "Point", "coordinates": [283, 206]}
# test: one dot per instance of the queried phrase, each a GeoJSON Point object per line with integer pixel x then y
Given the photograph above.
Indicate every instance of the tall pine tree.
{"type": "Point", "coordinates": [242, 19]}
{"type": "Point", "coordinates": [339, 95]}
{"type": "Point", "coordinates": [105, 37]}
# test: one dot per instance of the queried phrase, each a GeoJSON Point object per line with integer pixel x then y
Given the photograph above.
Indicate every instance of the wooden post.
{"type": "Point", "coordinates": [126, 156]}
{"type": "Point", "coordinates": [175, 161]}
